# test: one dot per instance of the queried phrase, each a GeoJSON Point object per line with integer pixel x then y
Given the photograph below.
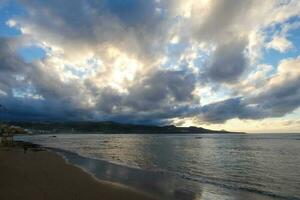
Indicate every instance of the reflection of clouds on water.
{"type": "Point", "coordinates": [159, 183]}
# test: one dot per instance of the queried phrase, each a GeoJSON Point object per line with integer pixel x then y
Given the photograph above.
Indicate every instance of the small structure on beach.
{"type": "Point", "coordinates": [7, 134]}
{"type": "Point", "coordinates": [7, 138]}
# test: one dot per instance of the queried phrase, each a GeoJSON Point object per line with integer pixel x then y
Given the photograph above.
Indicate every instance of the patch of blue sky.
{"type": "Point", "coordinates": [294, 37]}
{"type": "Point", "coordinates": [27, 92]}
{"type": "Point", "coordinates": [217, 93]}
{"type": "Point", "coordinates": [272, 56]}
{"type": "Point", "coordinates": [32, 53]}
{"type": "Point", "coordinates": [8, 10]}
{"type": "Point", "coordinates": [91, 68]}
{"type": "Point", "coordinates": [173, 52]}
{"type": "Point", "coordinates": [292, 20]}
{"type": "Point", "coordinates": [170, 64]}
{"type": "Point", "coordinates": [201, 59]}
{"type": "Point", "coordinates": [274, 29]}
{"type": "Point", "coordinates": [134, 13]}
{"type": "Point", "coordinates": [175, 49]}
{"type": "Point", "coordinates": [76, 71]}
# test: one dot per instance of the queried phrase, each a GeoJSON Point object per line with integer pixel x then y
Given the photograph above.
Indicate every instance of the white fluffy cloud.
{"type": "Point", "coordinates": [280, 44]}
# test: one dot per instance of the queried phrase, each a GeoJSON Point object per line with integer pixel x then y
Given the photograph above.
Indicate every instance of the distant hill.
{"type": "Point", "coordinates": [108, 127]}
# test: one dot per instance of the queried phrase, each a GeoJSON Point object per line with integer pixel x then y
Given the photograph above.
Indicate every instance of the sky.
{"type": "Point", "coordinates": [219, 64]}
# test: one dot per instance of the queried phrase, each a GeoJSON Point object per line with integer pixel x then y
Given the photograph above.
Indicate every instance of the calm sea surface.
{"type": "Point", "coordinates": [206, 166]}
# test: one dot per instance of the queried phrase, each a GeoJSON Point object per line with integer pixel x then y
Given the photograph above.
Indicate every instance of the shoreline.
{"type": "Point", "coordinates": [55, 151]}
{"type": "Point", "coordinates": [30, 171]}
{"type": "Point", "coordinates": [152, 185]}
{"type": "Point", "coordinates": [160, 184]}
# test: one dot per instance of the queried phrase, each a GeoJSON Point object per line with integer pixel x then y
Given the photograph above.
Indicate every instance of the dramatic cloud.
{"type": "Point", "coordinates": [13, 68]}
{"type": "Point", "coordinates": [281, 95]}
{"type": "Point", "coordinates": [133, 26]}
{"type": "Point", "coordinates": [156, 61]}
{"type": "Point", "coordinates": [219, 112]}
{"type": "Point", "coordinates": [29, 93]}
{"type": "Point", "coordinates": [161, 95]}
{"type": "Point", "coordinates": [228, 61]}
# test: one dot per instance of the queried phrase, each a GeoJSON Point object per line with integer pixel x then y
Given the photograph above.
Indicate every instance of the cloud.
{"type": "Point", "coordinates": [12, 67]}
{"type": "Point", "coordinates": [280, 44]}
{"type": "Point", "coordinates": [221, 19]}
{"type": "Point", "coordinates": [133, 26]}
{"type": "Point", "coordinates": [280, 96]}
{"type": "Point", "coordinates": [30, 91]}
{"type": "Point", "coordinates": [228, 61]}
{"type": "Point", "coordinates": [280, 41]}
{"type": "Point", "coordinates": [150, 61]}
{"type": "Point", "coordinates": [161, 95]}
{"type": "Point", "coordinates": [222, 111]}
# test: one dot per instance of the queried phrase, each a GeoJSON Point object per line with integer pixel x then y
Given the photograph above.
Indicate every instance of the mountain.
{"type": "Point", "coordinates": [107, 127]}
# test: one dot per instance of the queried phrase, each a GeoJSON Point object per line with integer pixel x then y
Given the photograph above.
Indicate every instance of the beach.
{"type": "Point", "coordinates": [40, 174]}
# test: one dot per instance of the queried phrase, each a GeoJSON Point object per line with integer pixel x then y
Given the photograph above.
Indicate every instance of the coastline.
{"type": "Point", "coordinates": [158, 183]}
{"type": "Point", "coordinates": [36, 173]}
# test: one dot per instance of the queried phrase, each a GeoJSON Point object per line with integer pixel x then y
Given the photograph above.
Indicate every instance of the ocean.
{"type": "Point", "coordinates": [188, 166]}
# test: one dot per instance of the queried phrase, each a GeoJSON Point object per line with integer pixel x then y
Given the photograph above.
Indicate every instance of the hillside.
{"type": "Point", "coordinates": [107, 127]}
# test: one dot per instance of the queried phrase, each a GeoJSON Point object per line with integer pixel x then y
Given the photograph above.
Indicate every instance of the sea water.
{"type": "Point", "coordinates": [188, 166]}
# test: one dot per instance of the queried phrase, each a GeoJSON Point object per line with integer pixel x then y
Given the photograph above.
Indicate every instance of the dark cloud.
{"type": "Point", "coordinates": [281, 99]}
{"type": "Point", "coordinates": [161, 95]}
{"type": "Point", "coordinates": [224, 27]}
{"type": "Point", "coordinates": [224, 20]}
{"type": "Point", "coordinates": [162, 87]}
{"type": "Point", "coordinates": [275, 101]}
{"type": "Point", "coordinates": [222, 111]}
{"type": "Point", "coordinates": [24, 109]}
{"type": "Point", "coordinates": [12, 68]}
{"type": "Point", "coordinates": [133, 26]}
{"type": "Point", "coordinates": [29, 91]}
{"type": "Point", "coordinates": [50, 86]}
{"type": "Point", "coordinates": [132, 13]}
{"type": "Point", "coordinates": [228, 61]}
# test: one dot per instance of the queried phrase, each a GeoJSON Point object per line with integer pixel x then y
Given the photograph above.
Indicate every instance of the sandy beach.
{"type": "Point", "coordinates": [43, 175]}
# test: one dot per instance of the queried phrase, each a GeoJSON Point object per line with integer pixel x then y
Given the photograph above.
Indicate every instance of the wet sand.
{"type": "Point", "coordinates": [43, 175]}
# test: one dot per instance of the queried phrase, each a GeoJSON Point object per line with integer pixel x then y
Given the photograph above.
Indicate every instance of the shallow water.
{"type": "Point", "coordinates": [209, 166]}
